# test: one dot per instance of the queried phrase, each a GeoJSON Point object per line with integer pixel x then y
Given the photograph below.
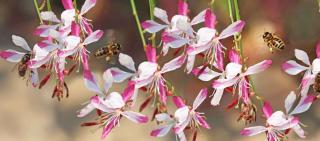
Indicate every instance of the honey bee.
{"type": "Point", "coordinates": [273, 41]}
{"type": "Point", "coordinates": [316, 85]}
{"type": "Point", "coordinates": [110, 50]}
{"type": "Point", "coordinates": [22, 65]}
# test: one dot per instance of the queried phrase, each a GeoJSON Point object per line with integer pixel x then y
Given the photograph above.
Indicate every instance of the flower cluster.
{"type": "Point", "coordinates": [61, 41]}
{"type": "Point", "coordinates": [65, 40]}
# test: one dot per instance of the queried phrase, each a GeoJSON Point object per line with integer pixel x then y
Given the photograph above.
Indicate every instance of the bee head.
{"type": "Point", "coordinates": [266, 35]}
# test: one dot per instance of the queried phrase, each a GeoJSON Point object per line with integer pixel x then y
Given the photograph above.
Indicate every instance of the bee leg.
{"type": "Point", "coordinates": [271, 50]}
{"type": "Point", "coordinates": [108, 58]}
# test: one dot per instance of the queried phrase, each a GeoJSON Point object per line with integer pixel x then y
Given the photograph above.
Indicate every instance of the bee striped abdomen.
{"type": "Point", "coordinates": [101, 52]}
{"type": "Point", "coordinates": [316, 85]}
{"type": "Point", "coordinates": [278, 43]}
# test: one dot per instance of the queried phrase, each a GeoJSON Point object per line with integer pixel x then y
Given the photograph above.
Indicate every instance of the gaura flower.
{"type": "Point", "coordinates": [178, 31]}
{"type": "Point", "coordinates": [167, 123]}
{"type": "Point", "coordinates": [278, 123]}
{"type": "Point", "coordinates": [114, 107]}
{"type": "Point", "coordinates": [186, 115]}
{"type": "Point", "coordinates": [16, 57]}
{"type": "Point", "coordinates": [204, 73]}
{"type": "Point", "coordinates": [149, 73]}
{"type": "Point", "coordinates": [303, 105]}
{"type": "Point", "coordinates": [238, 79]}
{"type": "Point", "coordinates": [311, 69]}
{"type": "Point", "coordinates": [209, 41]}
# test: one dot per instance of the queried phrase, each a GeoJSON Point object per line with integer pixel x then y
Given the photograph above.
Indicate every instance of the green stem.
{"type": "Point", "coordinates": [152, 5]}
{"type": "Point", "coordinates": [75, 4]}
{"type": "Point", "coordinates": [49, 5]}
{"type": "Point", "coordinates": [135, 14]}
{"type": "Point", "coordinates": [38, 10]}
{"type": "Point", "coordinates": [230, 10]}
{"type": "Point", "coordinates": [211, 4]}
{"type": "Point", "coordinates": [238, 41]}
{"type": "Point", "coordinates": [319, 4]}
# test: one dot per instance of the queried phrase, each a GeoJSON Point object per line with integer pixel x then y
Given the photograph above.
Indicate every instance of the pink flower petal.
{"type": "Point", "coordinates": [38, 62]}
{"type": "Point", "coordinates": [196, 49]}
{"type": "Point", "coordinates": [119, 75]}
{"type": "Point", "coordinates": [161, 131]}
{"type": "Point", "coordinates": [259, 67]}
{"type": "Point", "coordinates": [292, 67]}
{"type": "Point", "coordinates": [11, 55]}
{"type": "Point", "coordinates": [232, 29]}
{"type": "Point", "coordinates": [278, 118]}
{"type": "Point", "coordinates": [251, 131]}
{"type": "Point", "coordinates": [162, 92]}
{"type": "Point", "coordinates": [98, 103]}
{"type": "Point", "coordinates": [107, 129]}
{"type": "Point", "coordinates": [210, 19]}
{"type": "Point", "coordinates": [199, 18]}
{"type": "Point", "coordinates": [206, 75]}
{"type": "Point", "coordinates": [135, 117]}
{"type": "Point", "coordinates": [173, 40]}
{"type": "Point", "coordinates": [152, 26]}
{"type": "Point", "coordinates": [93, 37]}
{"type": "Point", "coordinates": [88, 4]}
{"type": "Point", "coordinates": [86, 26]}
{"type": "Point", "coordinates": [67, 4]}
{"type": "Point", "coordinates": [267, 109]}
{"type": "Point", "coordinates": [178, 101]}
{"type": "Point", "coordinates": [173, 64]}
{"type": "Point", "coordinates": [234, 56]}
{"type": "Point", "coordinates": [90, 81]}
{"type": "Point", "coordinates": [224, 83]}
{"type": "Point", "coordinates": [147, 69]}
{"type": "Point", "coordinates": [151, 54]}
{"type": "Point", "coordinates": [299, 131]}
{"type": "Point", "coordinates": [244, 90]}
{"type": "Point", "coordinates": [200, 98]}
{"type": "Point", "coordinates": [219, 56]}
{"type": "Point", "coordinates": [129, 91]}
{"type": "Point", "coordinates": [304, 104]}
{"type": "Point", "coordinates": [75, 29]}
{"type": "Point", "coordinates": [114, 101]}
{"type": "Point", "coordinates": [182, 8]}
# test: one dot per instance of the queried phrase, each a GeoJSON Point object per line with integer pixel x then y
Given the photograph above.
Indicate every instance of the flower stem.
{"type": "Point", "coordinates": [49, 5]}
{"type": "Point", "coordinates": [238, 42]}
{"type": "Point", "coordinates": [135, 14]}
{"type": "Point", "coordinates": [152, 5]}
{"type": "Point", "coordinates": [319, 4]}
{"type": "Point", "coordinates": [38, 10]}
{"type": "Point", "coordinates": [75, 4]}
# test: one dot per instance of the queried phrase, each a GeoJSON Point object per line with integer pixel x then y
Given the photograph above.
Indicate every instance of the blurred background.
{"type": "Point", "coordinates": [30, 114]}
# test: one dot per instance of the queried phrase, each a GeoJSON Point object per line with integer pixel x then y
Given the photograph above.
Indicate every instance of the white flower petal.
{"type": "Point", "coordinates": [199, 18]}
{"type": "Point", "coordinates": [49, 16]}
{"type": "Point", "coordinates": [200, 98]}
{"type": "Point", "coordinates": [292, 67]}
{"type": "Point", "coordinates": [108, 80]}
{"type": "Point", "coordinates": [291, 98]}
{"type": "Point", "coordinates": [161, 14]}
{"type": "Point", "coordinates": [127, 61]}
{"type": "Point", "coordinates": [302, 56]}
{"type": "Point", "coordinates": [21, 42]}
{"type": "Point", "coordinates": [114, 101]}
{"type": "Point", "coordinates": [88, 4]}
{"type": "Point", "coordinates": [232, 70]}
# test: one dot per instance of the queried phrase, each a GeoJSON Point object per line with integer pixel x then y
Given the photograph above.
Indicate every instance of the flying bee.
{"type": "Point", "coordinates": [22, 65]}
{"type": "Point", "coordinates": [110, 50]}
{"type": "Point", "coordinates": [316, 85]}
{"type": "Point", "coordinates": [273, 41]}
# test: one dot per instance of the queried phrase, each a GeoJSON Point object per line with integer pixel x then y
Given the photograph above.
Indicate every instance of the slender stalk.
{"type": "Point", "coordinates": [238, 41]}
{"type": "Point", "coordinates": [135, 14]}
{"type": "Point", "coordinates": [211, 4]}
{"type": "Point", "coordinates": [75, 4]}
{"type": "Point", "coordinates": [152, 5]}
{"type": "Point", "coordinates": [49, 5]}
{"type": "Point", "coordinates": [230, 10]}
{"type": "Point", "coordinates": [38, 10]}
